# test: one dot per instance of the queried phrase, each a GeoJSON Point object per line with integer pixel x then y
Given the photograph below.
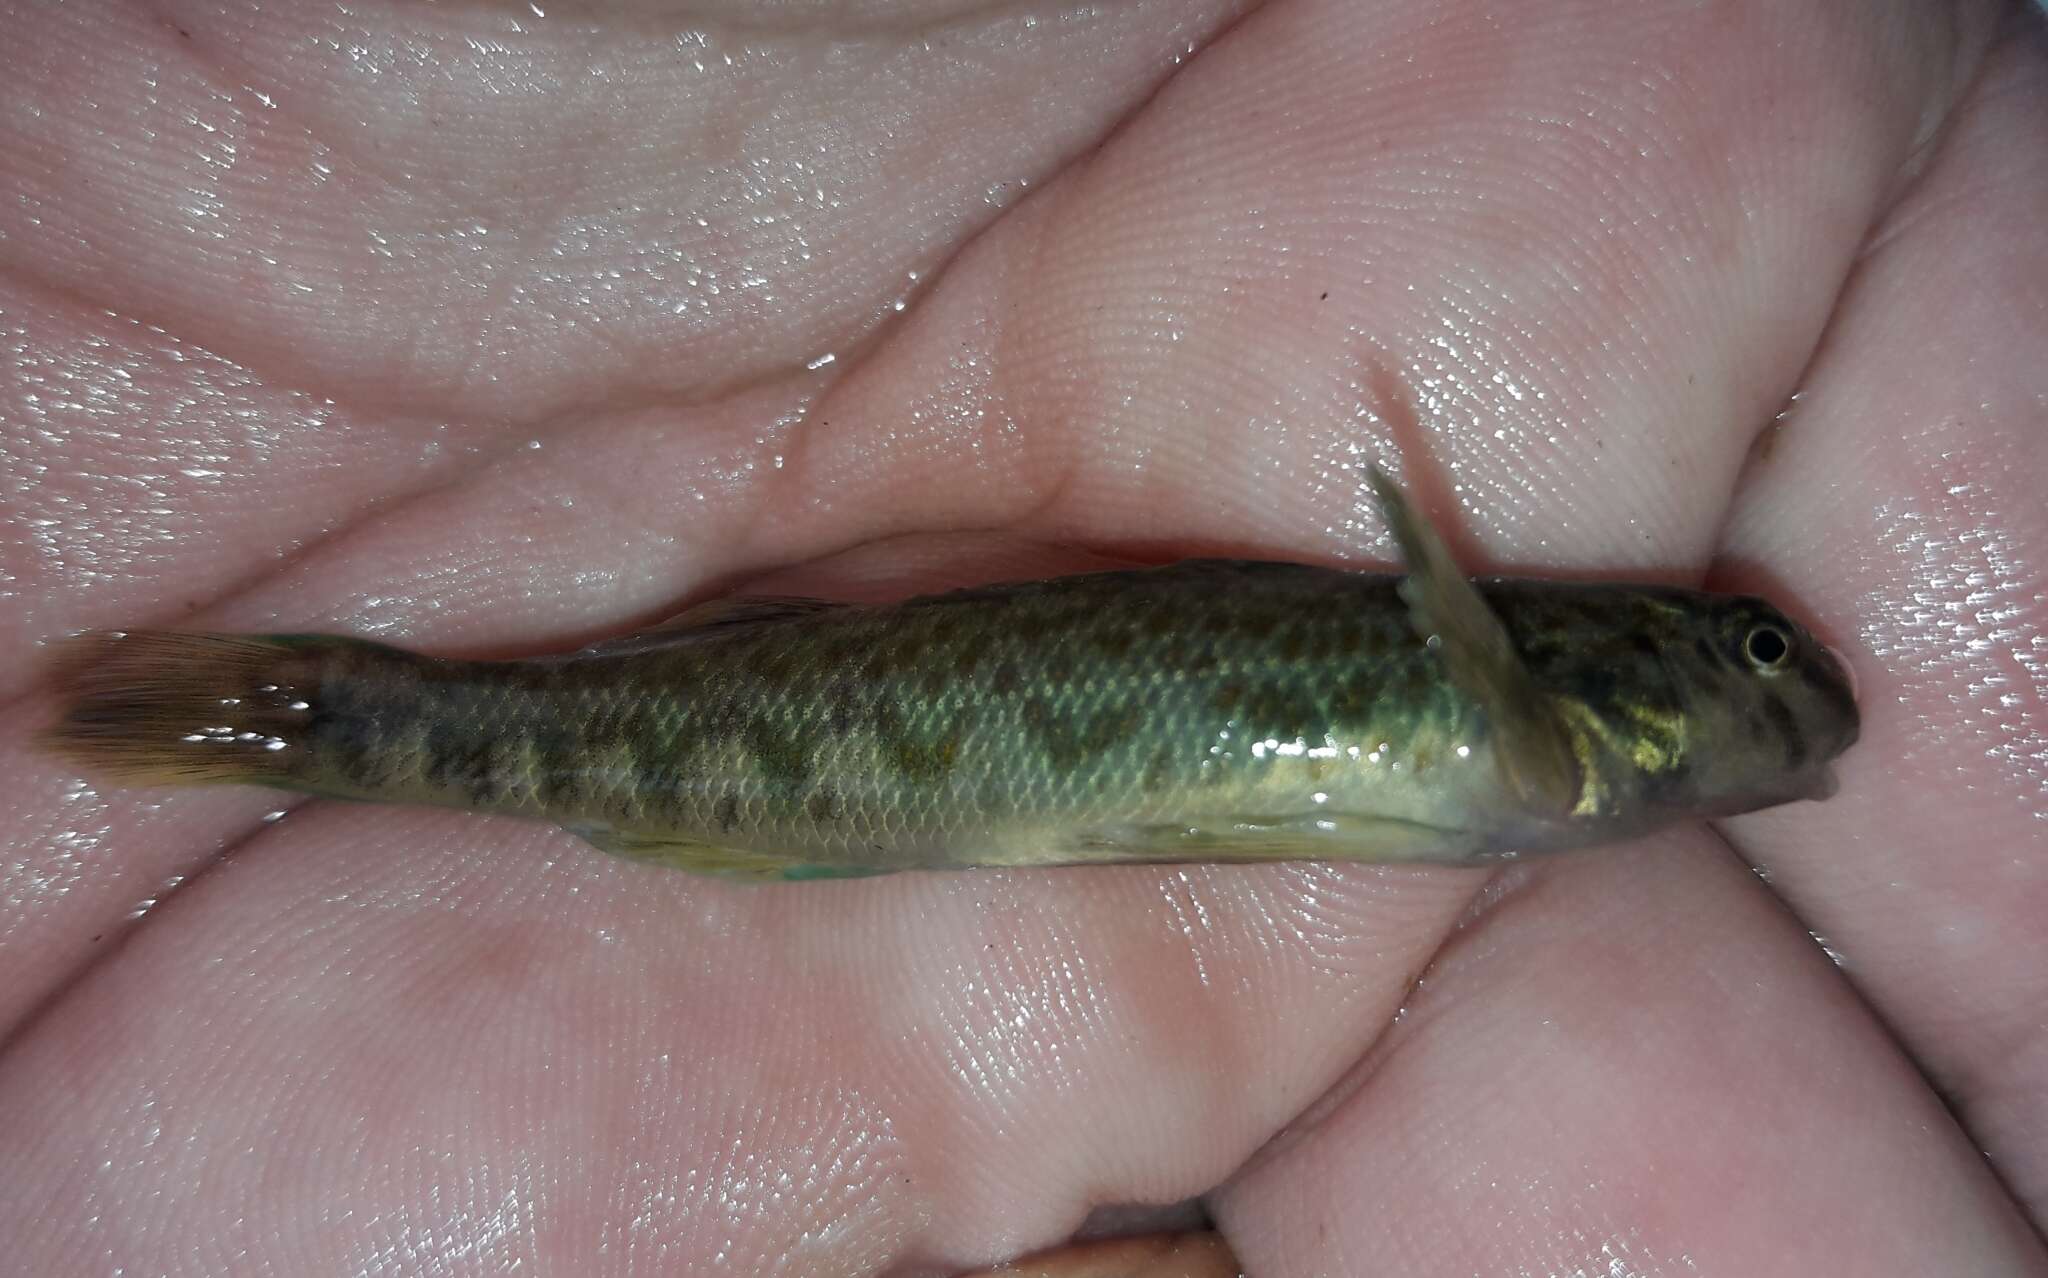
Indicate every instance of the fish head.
{"type": "Point", "coordinates": [1682, 703]}
{"type": "Point", "coordinates": [1766, 708]}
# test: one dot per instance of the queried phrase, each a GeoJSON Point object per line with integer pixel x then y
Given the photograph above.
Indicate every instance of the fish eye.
{"type": "Point", "coordinates": [1767, 647]}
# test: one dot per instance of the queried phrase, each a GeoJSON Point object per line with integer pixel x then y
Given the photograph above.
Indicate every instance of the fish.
{"type": "Point", "coordinates": [1210, 710]}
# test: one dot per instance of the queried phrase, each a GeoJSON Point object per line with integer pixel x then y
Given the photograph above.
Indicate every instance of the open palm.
{"type": "Point", "coordinates": [490, 331]}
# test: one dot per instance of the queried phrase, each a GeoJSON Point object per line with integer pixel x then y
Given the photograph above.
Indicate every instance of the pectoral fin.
{"type": "Point", "coordinates": [1532, 745]}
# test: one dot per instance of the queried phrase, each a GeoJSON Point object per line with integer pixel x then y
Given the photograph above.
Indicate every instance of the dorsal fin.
{"type": "Point", "coordinates": [1447, 610]}
{"type": "Point", "coordinates": [717, 616]}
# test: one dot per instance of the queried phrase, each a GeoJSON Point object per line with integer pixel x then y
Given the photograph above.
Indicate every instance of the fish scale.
{"type": "Point", "coordinates": [1206, 710]}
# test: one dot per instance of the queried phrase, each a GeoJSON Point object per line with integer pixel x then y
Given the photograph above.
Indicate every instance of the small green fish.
{"type": "Point", "coordinates": [1211, 710]}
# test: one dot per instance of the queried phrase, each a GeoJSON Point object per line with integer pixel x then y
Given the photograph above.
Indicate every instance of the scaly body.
{"type": "Point", "coordinates": [1205, 710]}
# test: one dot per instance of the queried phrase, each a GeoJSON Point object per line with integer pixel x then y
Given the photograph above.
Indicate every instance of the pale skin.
{"type": "Point", "coordinates": [491, 332]}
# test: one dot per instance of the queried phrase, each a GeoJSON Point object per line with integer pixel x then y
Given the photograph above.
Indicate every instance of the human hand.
{"type": "Point", "coordinates": [487, 331]}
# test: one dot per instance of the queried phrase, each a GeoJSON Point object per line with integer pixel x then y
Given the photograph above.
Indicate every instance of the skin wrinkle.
{"type": "Point", "coordinates": [1370, 1052]}
{"type": "Point", "coordinates": [188, 326]}
{"type": "Point", "coordinates": [383, 509]}
{"type": "Point", "coordinates": [1961, 1039]}
{"type": "Point", "coordinates": [1089, 489]}
{"type": "Point", "coordinates": [107, 949]}
{"type": "Point", "coordinates": [1919, 208]}
{"type": "Point", "coordinates": [210, 60]}
{"type": "Point", "coordinates": [18, 704]}
{"type": "Point", "coordinates": [502, 278]}
{"type": "Point", "coordinates": [430, 483]}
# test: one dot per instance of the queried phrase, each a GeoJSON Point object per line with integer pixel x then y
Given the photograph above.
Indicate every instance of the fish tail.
{"type": "Point", "coordinates": [157, 707]}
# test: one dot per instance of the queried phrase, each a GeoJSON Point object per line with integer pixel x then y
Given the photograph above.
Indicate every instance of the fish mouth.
{"type": "Point", "coordinates": [1853, 712]}
{"type": "Point", "coordinates": [1842, 664]}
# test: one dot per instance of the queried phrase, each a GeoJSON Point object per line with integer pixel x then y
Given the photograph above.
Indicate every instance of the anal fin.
{"type": "Point", "coordinates": [682, 853]}
{"type": "Point", "coordinates": [1312, 837]}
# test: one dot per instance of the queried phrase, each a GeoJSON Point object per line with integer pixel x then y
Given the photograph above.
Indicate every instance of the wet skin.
{"type": "Point", "coordinates": [463, 344]}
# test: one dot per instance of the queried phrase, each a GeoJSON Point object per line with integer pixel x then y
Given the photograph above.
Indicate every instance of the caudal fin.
{"type": "Point", "coordinates": [156, 707]}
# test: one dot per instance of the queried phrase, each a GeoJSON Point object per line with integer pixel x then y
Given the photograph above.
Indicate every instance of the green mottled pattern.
{"type": "Point", "coordinates": [1086, 718]}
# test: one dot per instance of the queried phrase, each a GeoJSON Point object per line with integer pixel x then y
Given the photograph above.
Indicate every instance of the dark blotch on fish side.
{"type": "Point", "coordinates": [561, 777]}
{"type": "Point", "coordinates": [494, 780]}
{"type": "Point", "coordinates": [920, 756]}
{"type": "Point", "coordinates": [824, 806]}
{"type": "Point", "coordinates": [1158, 769]}
{"type": "Point", "coordinates": [663, 778]}
{"type": "Point", "coordinates": [726, 812]}
{"type": "Point", "coordinates": [358, 747]}
{"type": "Point", "coordinates": [1045, 729]}
{"type": "Point", "coordinates": [891, 659]}
{"type": "Point", "coordinates": [781, 758]}
{"type": "Point", "coordinates": [1263, 622]}
{"type": "Point", "coordinates": [771, 661]}
{"type": "Point", "coordinates": [452, 754]}
{"type": "Point", "coordinates": [1113, 644]}
{"type": "Point", "coordinates": [843, 704]}
{"type": "Point", "coordinates": [927, 761]}
{"type": "Point", "coordinates": [1228, 698]}
{"type": "Point", "coordinates": [1070, 741]}
{"type": "Point", "coordinates": [1056, 669]}
{"type": "Point", "coordinates": [966, 660]}
{"type": "Point", "coordinates": [839, 651]}
{"type": "Point", "coordinates": [1353, 699]}
{"type": "Point", "coordinates": [1274, 706]}
{"type": "Point", "coordinates": [722, 720]}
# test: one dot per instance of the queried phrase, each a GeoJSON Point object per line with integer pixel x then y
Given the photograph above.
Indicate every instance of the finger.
{"type": "Point", "coordinates": [479, 1045]}
{"type": "Point", "coordinates": [203, 427]}
{"type": "Point", "coordinates": [1903, 496]}
{"type": "Point", "coordinates": [85, 865]}
{"type": "Point", "coordinates": [1595, 281]}
{"type": "Point", "coordinates": [146, 477]}
{"type": "Point", "coordinates": [320, 287]}
{"type": "Point", "coordinates": [905, 479]}
{"type": "Point", "coordinates": [1631, 1063]}
{"type": "Point", "coordinates": [488, 211]}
